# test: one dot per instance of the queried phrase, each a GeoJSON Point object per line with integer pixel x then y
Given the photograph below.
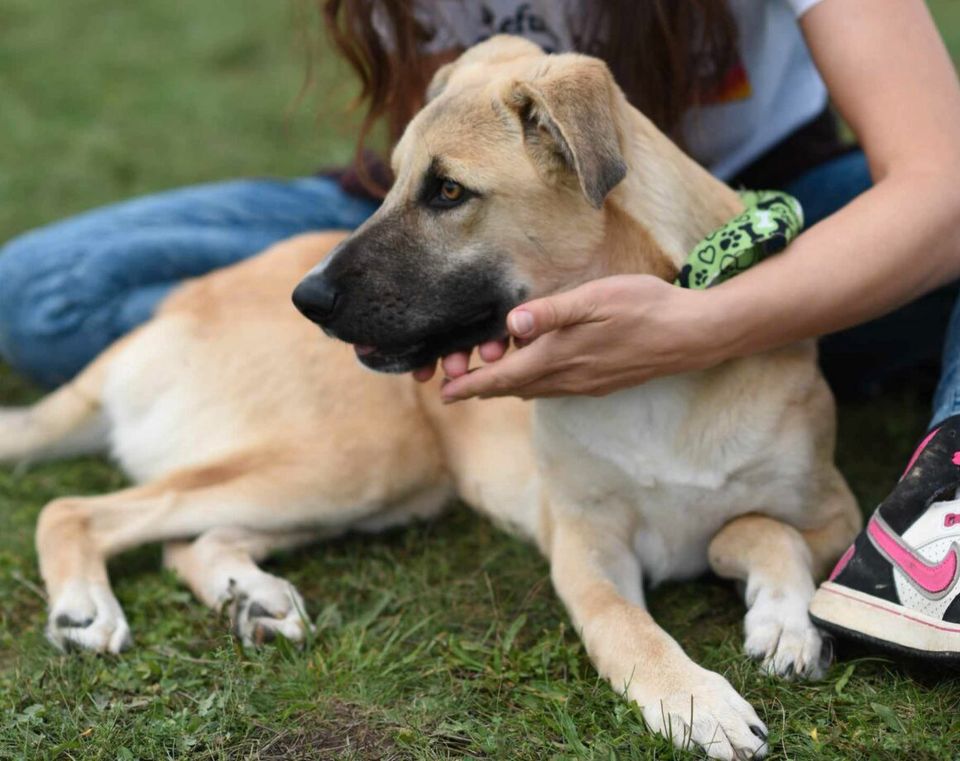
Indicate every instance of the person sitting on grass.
{"type": "Point", "coordinates": [744, 86]}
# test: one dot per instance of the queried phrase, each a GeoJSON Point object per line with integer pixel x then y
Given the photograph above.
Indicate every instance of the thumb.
{"type": "Point", "coordinates": [533, 319]}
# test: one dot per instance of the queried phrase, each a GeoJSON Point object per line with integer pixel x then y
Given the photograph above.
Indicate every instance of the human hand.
{"type": "Point", "coordinates": [602, 336]}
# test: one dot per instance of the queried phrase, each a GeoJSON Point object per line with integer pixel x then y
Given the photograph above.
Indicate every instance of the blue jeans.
{"type": "Point", "coordinates": [69, 289]}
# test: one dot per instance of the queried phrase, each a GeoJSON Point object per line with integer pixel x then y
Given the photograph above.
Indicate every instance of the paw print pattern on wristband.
{"type": "Point", "coordinates": [770, 221]}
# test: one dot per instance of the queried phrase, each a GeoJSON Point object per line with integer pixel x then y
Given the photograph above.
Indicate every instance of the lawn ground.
{"type": "Point", "coordinates": [440, 641]}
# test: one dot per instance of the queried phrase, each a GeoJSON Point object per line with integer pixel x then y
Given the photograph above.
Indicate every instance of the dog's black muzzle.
{"type": "Point", "coordinates": [400, 303]}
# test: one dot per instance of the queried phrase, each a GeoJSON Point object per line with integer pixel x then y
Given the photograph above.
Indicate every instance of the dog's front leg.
{"type": "Point", "coordinates": [776, 564]}
{"type": "Point", "coordinates": [597, 575]}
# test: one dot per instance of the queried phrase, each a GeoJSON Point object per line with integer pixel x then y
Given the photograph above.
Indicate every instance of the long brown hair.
{"type": "Point", "coordinates": [667, 55]}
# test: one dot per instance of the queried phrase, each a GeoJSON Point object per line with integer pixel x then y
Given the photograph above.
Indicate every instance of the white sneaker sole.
{"type": "Point", "coordinates": [871, 618]}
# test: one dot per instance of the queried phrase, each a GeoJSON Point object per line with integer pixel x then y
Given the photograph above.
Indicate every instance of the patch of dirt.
{"type": "Point", "coordinates": [336, 731]}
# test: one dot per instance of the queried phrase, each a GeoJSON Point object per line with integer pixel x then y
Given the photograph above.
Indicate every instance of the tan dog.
{"type": "Point", "coordinates": [525, 174]}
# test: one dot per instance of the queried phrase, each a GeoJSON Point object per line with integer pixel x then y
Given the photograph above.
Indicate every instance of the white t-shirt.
{"type": "Point", "coordinates": [775, 89]}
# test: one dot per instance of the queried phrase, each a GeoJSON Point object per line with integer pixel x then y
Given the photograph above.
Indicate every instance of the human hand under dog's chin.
{"type": "Point", "coordinates": [600, 337]}
{"type": "Point", "coordinates": [457, 364]}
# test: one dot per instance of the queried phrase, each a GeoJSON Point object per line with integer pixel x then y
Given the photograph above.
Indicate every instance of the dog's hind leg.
{"type": "Point", "coordinates": [775, 563]}
{"type": "Point", "coordinates": [220, 567]}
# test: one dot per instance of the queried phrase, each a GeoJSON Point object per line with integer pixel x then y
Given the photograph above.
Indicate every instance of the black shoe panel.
{"type": "Point", "coordinates": [952, 613]}
{"type": "Point", "coordinates": [932, 478]}
{"type": "Point", "coordinates": [868, 571]}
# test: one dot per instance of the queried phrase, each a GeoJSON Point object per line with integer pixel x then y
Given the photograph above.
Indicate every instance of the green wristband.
{"type": "Point", "coordinates": [771, 220]}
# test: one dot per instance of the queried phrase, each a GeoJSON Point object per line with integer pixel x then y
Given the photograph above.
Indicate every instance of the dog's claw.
{"type": "Point", "coordinates": [64, 621]}
{"type": "Point", "coordinates": [706, 711]}
{"type": "Point", "coordinates": [86, 616]}
{"type": "Point", "coordinates": [758, 731]}
{"type": "Point", "coordinates": [256, 610]}
{"type": "Point", "coordinates": [779, 633]}
{"type": "Point", "coordinates": [263, 608]}
{"type": "Point", "coordinates": [263, 634]}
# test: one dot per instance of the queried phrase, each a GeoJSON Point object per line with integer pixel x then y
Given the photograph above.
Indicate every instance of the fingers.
{"type": "Point", "coordinates": [521, 321]}
{"type": "Point", "coordinates": [499, 378]}
{"type": "Point", "coordinates": [540, 316]}
{"type": "Point", "coordinates": [482, 381]}
{"type": "Point", "coordinates": [423, 374]}
{"type": "Point", "coordinates": [514, 373]}
{"type": "Point", "coordinates": [525, 323]}
{"type": "Point", "coordinates": [456, 364]}
{"type": "Point", "coordinates": [491, 351]}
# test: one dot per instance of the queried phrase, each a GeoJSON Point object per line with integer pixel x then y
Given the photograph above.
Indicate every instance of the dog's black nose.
{"type": "Point", "coordinates": [316, 298]}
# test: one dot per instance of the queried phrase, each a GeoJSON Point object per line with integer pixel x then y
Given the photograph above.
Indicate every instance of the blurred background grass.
{"type": "Point", "coordinates": [103, 100]}
{"type": "Point", "coordinates": [440, 641]}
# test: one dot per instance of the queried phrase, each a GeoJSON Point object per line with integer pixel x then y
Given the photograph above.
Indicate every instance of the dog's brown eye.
{"type": "Point", "coordinates": [443, 193]}
{"type": "Point", "coordinates": [451, 191]}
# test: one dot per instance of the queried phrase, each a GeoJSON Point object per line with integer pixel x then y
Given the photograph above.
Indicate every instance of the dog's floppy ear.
{"type": "Point", "coordinates": [568, 116]}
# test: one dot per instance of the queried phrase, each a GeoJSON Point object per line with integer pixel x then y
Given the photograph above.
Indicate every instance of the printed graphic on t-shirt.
{"type": "Point", "coordinates": [462, 23]}
{"type": "Point", "coordinates": [772, 91]}
{"type": "Point", "coordinates": [549, 24]}
{"type": "Point", "coordinates": [523, 21]}
{"type": "Point", "coordinates": [734, 86]}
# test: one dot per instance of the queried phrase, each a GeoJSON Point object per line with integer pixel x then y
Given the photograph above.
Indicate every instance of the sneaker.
{"type": "Point", "coordinates": [897, 585]}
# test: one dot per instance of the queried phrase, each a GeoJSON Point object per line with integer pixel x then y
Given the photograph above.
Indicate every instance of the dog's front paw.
{"type": "Point", "coordinates": [86, 616]}
{"type": "Point", "coordinates": [265, 607]}
{"type": "Point", "coordinates": [779, 633]}
{"type": "Point", "coordinates": [702, 709]}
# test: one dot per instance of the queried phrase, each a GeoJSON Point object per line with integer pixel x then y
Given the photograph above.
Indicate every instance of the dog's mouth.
{"type": "Point", "coordinates": [483, 324]}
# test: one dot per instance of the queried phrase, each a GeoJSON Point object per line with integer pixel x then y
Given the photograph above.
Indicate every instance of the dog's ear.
{"type": "Point", "coordinates": [569, 121]}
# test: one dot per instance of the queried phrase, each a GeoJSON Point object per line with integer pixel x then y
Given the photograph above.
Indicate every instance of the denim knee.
{"type": "Point", "coordinates": [14, 256]}
{"type": "Point", "coordinates": [830, 186]}
{"type": "Point", "coordinates": [946, 399]}
{"type": "Point", "coordinates": [35, 314]}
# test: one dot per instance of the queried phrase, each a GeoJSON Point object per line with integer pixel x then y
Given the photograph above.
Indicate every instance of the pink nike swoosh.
{"type": "Point", "coordinates": [932, 578]}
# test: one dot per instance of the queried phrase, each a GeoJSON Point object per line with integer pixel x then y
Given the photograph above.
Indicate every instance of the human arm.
{"type": "Point", "coordinates": [889, 75]}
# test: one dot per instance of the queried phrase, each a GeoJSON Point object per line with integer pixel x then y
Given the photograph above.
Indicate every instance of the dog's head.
{"type": "Point", "coordinates": [500, 186]}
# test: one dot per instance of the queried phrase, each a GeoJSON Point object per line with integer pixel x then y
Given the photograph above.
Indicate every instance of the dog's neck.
{"type": "Point", "coordinates": [665, 206]}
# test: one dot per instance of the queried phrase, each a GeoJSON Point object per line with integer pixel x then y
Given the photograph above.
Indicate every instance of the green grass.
{"type": "Point", "coordinates": [442, 640]}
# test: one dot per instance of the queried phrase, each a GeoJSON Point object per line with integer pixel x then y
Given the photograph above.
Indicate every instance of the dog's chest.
{"type": "Point", "coordinates": [655, 465]}
{"type": "Point", "coordinates": [645, 433]}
